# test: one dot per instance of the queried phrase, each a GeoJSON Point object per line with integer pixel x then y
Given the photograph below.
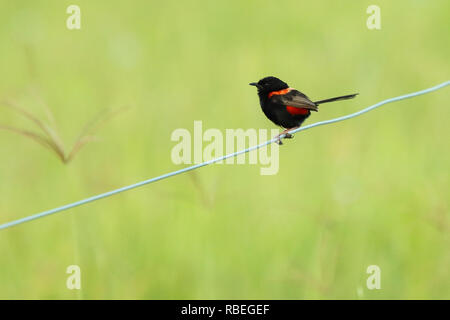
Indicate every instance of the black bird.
{"type": "Point", "coordinates": [287, 107]}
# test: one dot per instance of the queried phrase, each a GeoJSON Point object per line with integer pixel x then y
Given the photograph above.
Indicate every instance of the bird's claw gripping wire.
{"type": "Point", "coordinates": [285, 134]}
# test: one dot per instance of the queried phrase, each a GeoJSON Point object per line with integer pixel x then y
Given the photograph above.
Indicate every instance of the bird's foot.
{"type": "Point", "coordinates": [285, 134]}
{"type": "Point", "coordinates": [278, 139]}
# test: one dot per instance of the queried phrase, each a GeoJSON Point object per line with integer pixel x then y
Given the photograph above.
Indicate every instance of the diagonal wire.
{"type": "Point", "coordinates": [196, 166]}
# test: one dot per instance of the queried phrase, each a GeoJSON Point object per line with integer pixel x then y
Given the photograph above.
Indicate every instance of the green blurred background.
{"type": "Point", "coordinates": [372, 190]}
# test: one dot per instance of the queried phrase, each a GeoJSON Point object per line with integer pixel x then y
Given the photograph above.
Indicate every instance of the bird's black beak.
{"type": "Point", "coordinates": [254, 84]}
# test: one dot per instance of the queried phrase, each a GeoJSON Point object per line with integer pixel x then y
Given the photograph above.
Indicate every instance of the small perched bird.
{"type": "Point", "coordinates": [287, 107]}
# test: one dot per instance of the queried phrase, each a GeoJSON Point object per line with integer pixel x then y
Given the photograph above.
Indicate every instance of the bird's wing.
{"type": "Point", "coordinates": [294, 98]}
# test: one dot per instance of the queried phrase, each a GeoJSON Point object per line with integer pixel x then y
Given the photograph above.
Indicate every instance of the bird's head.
{"type": "Point", "coordinates": [269, 84]}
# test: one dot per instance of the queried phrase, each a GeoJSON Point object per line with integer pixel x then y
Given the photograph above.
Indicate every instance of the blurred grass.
{"type": "Point", "coordinates": [373, 190]}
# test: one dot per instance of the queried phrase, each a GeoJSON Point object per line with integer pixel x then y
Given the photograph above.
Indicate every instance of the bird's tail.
{"type": "Point", "coordinates": [350, 96]}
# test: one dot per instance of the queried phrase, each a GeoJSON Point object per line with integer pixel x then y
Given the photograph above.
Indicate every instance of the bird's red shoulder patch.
{"type": "Point", "coordinates": [284, 91]}
{"type": "Point", "coordinates": [294, 110]}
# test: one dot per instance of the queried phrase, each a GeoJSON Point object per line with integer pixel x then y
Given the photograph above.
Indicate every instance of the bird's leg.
{"type": "Point", "coordinates": [286, 133]}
